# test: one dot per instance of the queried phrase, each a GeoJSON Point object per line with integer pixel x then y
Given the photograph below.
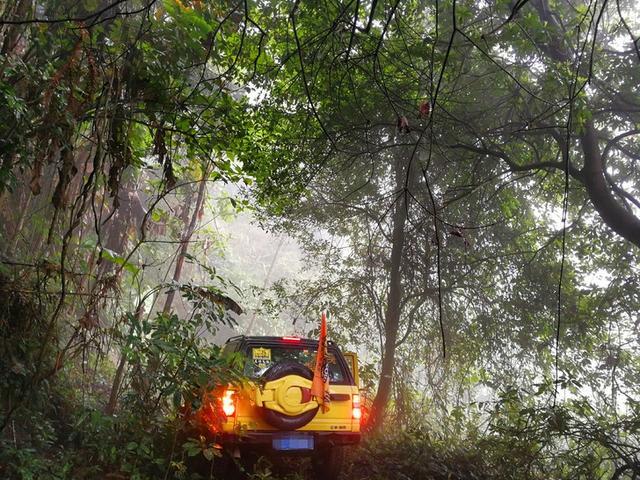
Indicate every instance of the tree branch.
{"type": "Point", "coordinates": [514, 167]}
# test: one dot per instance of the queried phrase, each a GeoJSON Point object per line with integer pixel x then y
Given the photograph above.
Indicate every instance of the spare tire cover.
{"type": "Point", "coordinates": [280, 420]}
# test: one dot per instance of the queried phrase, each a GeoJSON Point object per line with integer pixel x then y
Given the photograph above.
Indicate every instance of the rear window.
{"type": "Point", "coordinates": [260, 358]}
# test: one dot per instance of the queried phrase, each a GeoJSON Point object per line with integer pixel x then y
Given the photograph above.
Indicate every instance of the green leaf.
{"type": "Point", "coordinates": [113, 257]}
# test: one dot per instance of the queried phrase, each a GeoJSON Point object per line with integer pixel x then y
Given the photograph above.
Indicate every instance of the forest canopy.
{"type": "Point", "coordinates": [456, 181]}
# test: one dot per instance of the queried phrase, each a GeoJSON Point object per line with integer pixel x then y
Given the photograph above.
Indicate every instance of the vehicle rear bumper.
{"type": "Point", "coordinates": [265, 439]}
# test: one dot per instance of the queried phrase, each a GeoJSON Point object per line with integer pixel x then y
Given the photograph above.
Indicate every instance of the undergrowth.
{"type": "Point", "coordinates": [57, 422]}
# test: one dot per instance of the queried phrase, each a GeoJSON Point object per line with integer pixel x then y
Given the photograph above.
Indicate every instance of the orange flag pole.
{"type": "Point", "coordinates": [320, 386]}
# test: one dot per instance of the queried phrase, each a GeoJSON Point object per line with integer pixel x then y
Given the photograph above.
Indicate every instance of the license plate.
{"type": "Point", "coordinates": [293, 442]}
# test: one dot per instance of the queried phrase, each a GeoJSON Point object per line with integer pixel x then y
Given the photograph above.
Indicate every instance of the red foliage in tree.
{"type": "Point", "coordinates": [424, 109]}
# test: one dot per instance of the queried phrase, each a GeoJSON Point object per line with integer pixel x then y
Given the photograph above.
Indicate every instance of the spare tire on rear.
{"type": "Point", "coordinates": [280, 420]}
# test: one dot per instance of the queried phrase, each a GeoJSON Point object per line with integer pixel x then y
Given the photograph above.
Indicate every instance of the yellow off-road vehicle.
{"type": "Point", "coordinates": [274, 413]}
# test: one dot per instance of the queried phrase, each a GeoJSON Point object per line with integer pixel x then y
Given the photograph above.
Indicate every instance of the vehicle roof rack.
{"type": "Point", "coordinates": [270, 337]}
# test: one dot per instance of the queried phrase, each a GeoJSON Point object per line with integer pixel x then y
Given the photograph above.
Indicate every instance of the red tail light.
{"type": "Point", "coordinates": [291, 339]}
{"type": "Point", "coordinates": [229, 403]}
{"type": "Point", "coordinates": [356, 413]}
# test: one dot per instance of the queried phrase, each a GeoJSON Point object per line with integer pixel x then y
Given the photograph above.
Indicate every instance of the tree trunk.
{"type": "Point", "coordinates": [393, 310]}
{"type": "Point", "coordinates": [118, 227]}
{"type": "Point", "coordinates": [22, 215]}
{"type": "Point", "coordinates": [184, 242]}
{"type": "Point", "coordinates": [119, 375]}
{"type": "Point", "coordinates": [13, 33]}
{"type": "Point", "coordinates": [249, 328]}
{"type": "Point", "coordinates": [154, 360]}
{"type": "Point", "coordinates": [612, 213]}
{"type": "Point", "coordinates": [115, 387]}
{"type": "Point", "coordinates": [620, 220]}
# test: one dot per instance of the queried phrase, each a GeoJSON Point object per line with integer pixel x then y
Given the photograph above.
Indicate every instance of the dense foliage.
{"type": "Point", "coordinates": [462, 178]}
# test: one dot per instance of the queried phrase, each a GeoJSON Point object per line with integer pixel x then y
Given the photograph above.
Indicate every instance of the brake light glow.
{"type": "Point", "coordinates": [291, 339]}
{"type": "Point", "coordinates": [356, 413]}
{"type": "Point", "coordinates": [229, 403]}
